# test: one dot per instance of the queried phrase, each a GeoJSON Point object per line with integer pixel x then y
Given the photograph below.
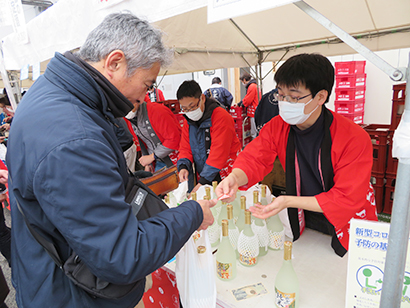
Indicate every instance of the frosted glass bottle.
{"type": "Point", "coordinates": [240, 223]}
{"type": "Point", "coordinates": [233, 230]}
{"type": "Point", "coordinates": [236, 206]}
{"type": "Point", "coordinates": [264, 199]}
{"type": "Point", "coordinates": [218, 205]}
{"type": "Point", "coordinates": [225, 256]}
{"type": "Point", "coordinates": [214, 230]}
{"type": "Point", "coordinates": [261, 230]}
{"type": "Point", "coordinates": [248, 246]}
{"type": "Point", "coordinates": [286, 282]}
{"type": "Point", "coordinates": [223, 214]}
{"type": "Point", "coordinates": [193, 196]}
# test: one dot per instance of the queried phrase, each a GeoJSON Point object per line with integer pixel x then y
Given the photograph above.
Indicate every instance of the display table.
{"type": "Point", "coordinates": [322, 276]}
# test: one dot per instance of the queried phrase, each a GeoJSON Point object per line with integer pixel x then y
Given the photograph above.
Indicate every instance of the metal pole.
{"type": "Point", "coordinates": [399, 228]}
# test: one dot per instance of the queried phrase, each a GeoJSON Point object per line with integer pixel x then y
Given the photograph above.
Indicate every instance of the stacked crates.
{"type": "Point", "coordinates": [242, 124]}
{"type": "Point", "coordinates": [350, 89]}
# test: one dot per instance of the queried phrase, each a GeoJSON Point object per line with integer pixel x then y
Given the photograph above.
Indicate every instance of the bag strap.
{"type": "Point", "coordinates": [49, 247]}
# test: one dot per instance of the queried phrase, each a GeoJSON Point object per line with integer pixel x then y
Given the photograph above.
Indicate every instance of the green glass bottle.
{"type": "Point", "coordinates": [236, 206]}
{"type": "Point", "coordinates": [248, 246]}
{"type": "Point", "coordinates": [240, 223]}
{"type": "Point", "coordinates": [225, 256]}
{"type": "Point", "coordinates": [223, 214]}
{"type": "Point", "coordinates": [261, 230]}
{"type": "Point", "coordinates": [286, 282]}
{"type": "Point", "coordinates": [233, 230]}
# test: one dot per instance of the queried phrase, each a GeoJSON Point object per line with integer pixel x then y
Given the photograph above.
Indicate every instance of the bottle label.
{"type": "Point", "coordinates": [224, 270]}
{"type": "Point", "coordinates": [285, 300]}
{"type": "Point", "coordinates": [247, 260]}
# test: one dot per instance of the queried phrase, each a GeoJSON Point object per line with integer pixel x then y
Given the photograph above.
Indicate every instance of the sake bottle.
{"type": "Point", "coordinates": [225, 256]}
{"type": "Point", "coordinates": [208, 192]}
{"type": "Point", "coordinates": [193, 196]}
{"type": "Point", "coordinates": [233, 230]}
{"type": "Point", "coordinates": [256, 200]}
{"type": "Point", "coordinates": [196, 235]}
{"type": "Point", "coordinates": [286, 282]}
{"type": "Point", "coordinates": [223, 214]}
{"type": "Point", "coordinates": [214, 230]}
{"type": "Point", "coordinates": [264, 199]}
{"type": "Point", "coordinates": [166, 200]}
{"type": "Point", "coordinates": [248, 247]}
{"type": "Point", "coordinates": [236, 206]}
{"type": "Point", "coordinates": [218, 205]}
{"type": "Point", "coordinates": [240, 223]}
{"type": "Point", "coordinates": [261, 230]}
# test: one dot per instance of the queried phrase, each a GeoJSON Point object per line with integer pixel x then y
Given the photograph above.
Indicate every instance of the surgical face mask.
{"type": "Point", "coordinates": [294, 113]}
{"type": "Point", "coordinates": [195, 115]}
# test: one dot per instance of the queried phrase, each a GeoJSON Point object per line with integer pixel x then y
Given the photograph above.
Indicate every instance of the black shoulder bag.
{"type": "Point", "coordinates": [144, 203]}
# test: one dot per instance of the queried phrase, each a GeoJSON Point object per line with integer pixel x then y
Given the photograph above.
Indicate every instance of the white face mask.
{"type": "Point", "coordinates": [294, 113]}
{"type": "Point", "coordinates": [195, 115]}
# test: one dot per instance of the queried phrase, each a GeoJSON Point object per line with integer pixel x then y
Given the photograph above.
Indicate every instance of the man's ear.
{"type": "Point", "coordinates": [322, 96]}
{"type": "Point", "coordinates": [114, 62]}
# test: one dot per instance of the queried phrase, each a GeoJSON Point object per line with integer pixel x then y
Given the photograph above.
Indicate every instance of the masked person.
{"type": "Point", "coordinates": [69, 175]}
{"type": "Point", "coordinates": [327, 158]}
{"type": "Point", "coordinates": [208, 138]}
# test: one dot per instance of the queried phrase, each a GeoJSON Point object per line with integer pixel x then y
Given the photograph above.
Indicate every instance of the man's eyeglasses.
{"type": "Point", "coordinates": [188, 109]}
{"type": "Point", "coordinates": [288, 98]}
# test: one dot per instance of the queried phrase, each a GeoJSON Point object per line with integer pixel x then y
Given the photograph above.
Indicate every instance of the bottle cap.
{"type": "Point", "coordinates": [214, 184]}
{"type": "Point", "coordinates": [201, 249]}
{"type": "Point", "coordinates": [193, 196]}
{"type": "Point", "coordinates": [255, 196]}
{"type": "Point", "coordinates": [247, 217]}
{"type": "Point", "coordinates": [208, 192]}
{"type": "Point", "coordinates": [229, 208]}
{"type": "Point", "coordinates": [287, 255]}
{"type": "Point", "coordinates": [224, 227]}
{"type": "Point", "coordinates": [243, 203]}
{"type": "Point", "coordinates": [206, 197]}
{"type": "Point", "coordinates": [263, 191]}
{"type": "Point", "coordinates": [166, 199]}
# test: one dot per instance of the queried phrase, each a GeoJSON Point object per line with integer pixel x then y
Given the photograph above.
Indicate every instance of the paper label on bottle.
{"type": "Point", "coordinates": [224, 270]}
{"type": "Point", "coordinates": [247, 260]}
{"type": "Point", "coordinates": [285, 300]}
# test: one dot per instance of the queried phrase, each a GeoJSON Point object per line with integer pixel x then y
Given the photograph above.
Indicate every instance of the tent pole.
{"type": "Point", "coordinates": [399, 228]}
{"type": "Point", "coordinates": [400, 220]}
{"type": "Point", "coordinates": [6, 81]}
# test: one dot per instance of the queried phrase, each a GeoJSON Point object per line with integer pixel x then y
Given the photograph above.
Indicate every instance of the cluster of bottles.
{"type": "Point", "coordinates": [244, 237]}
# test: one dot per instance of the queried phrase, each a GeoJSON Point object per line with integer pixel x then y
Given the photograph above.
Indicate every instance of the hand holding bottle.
{"type": "Point", "coordinates": [206, 210]}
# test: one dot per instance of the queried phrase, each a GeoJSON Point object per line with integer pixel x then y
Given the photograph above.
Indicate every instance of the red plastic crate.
{"type": "Point", "coordinates": [237, 112]}
{"type": "Point", "coordinates": [396, 112]}
{"type": "Point", "coordinates": [173, 104]}
{"type": "Point", "coordinates": [399, 91]}
{"type": "Point", "coordinates": [379, 134]}
{"type": "Point", "coordinates": [350, 81]}
{"type": "Point", "coordinates": [247, 140]}
{"type": "Point", "coordinates": [350, 94]}
{"type": "Point", "coordinates": [349, 107]}
{"type": "Point", "coordinates": [356, 117]}
{"type": "Point", "coordinates": [350, 67]}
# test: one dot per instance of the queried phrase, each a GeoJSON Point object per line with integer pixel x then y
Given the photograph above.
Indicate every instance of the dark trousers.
{"type": "Point", "coordinates": [5, 236]}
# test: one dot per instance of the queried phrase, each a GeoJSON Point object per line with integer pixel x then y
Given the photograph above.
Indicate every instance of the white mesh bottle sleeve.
{"type": "Point", "coordinates": [276, 239]}
{"type": "Point", "coordinates": [248, 249]}
{"type": "Point", "coordinates": [233, 237]}
{"type": "Point", "coordinates": [262, 233]}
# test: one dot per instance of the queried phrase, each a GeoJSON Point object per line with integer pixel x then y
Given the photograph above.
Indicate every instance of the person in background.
{"type": "Point", "coordinates": [208, 138]}
{"type": "Point", "coordinates": [154, 94]}
{"type": "Point", "coordinates": [5, 237]}
{"type": "Point", "coordinates": [158, 132]}
{"type": "Point", "coordinates": [68, 172]}
{"type": "Point", "coordinates": [219, 93]}
{"type": "Point", "coordinates": [266, 110]}
{"type": "Point", "coordinates": [251, 99]}
{"type": "Point", "coordinates": [327, 158]}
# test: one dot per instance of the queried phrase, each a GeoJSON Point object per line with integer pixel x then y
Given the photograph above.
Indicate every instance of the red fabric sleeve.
{"type": "Point", "coordinates": [165, 125]}
{"type": "Point", "coordinates": [146, 98]}
{"type": "Point", "coordinates": [184, 145]}
{"type": "Point", "coordinates": [224, 142]}
{"type": "Point", "coordinates": [160, 95]}
{"type": "Point", "coordinates": [251, 97]}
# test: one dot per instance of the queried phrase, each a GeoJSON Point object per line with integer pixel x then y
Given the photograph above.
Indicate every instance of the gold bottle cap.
{"type": "Point", "coordinates": [229, 207]}
{"type": "Point", "coordinates": [208, 192]}
{"type": "Point", "coordinates": [223, 202]}
{"type": "Point", "coordinates": [263, 191]}
{"type": "Point", "coordinates": [287, 255]}
{"type": "Point", "coordinates": [255, 196]}
{"type": "Point", "coordinates": [201, 249]}
{"type": "Point", "coordinates": [206, 197]}
{"type": "Point", "coordinates": [214, 184]}
{"type": "Point", "coordinates": [247, 217]}
{"type": "Point", "coordinates": [243, 203]}
{"type": "Point", "coordinates": [193, 196]}
{"type": "Point", "coordinates": [166, 199]}
{"type": "Point", "coordinates": [224, 227]}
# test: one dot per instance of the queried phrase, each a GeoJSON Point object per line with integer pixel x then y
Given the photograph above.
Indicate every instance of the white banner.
{"type": "Point", "coordinates": [224, 9]}
{"type": "Point", "coordinates": [18, 20]}
{"type": "Point", "coordinates": [5, 19]}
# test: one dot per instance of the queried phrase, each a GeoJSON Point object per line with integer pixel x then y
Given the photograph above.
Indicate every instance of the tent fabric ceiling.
{"type": "Point", "coordinates": [201, 46]}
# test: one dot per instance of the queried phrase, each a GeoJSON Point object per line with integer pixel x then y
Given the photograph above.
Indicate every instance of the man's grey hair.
{"type": "Point", "coordinates": [141, 43]}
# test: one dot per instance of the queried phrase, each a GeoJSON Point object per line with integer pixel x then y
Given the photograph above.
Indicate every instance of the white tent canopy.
{"type": "Point", "coordinates": [236, 42]}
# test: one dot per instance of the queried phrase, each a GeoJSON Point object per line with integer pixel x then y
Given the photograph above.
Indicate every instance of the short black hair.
{"type": "Point", "coordinates": [245, 76]}
{"type": "Point", "coordinates": [313, 71]}
{"type": "Point", "coordinates": [189, 88]}
{"type": "Point", "coordinates": [216, 80]}
{"type": "Point", "coordinates": [4, 100]}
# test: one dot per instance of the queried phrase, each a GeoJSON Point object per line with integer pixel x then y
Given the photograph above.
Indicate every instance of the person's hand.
{"type": "Point", "coordinates": [228, 186]}
{"type": "Point", "coordinates": [2, 139]}
{"type": "Point", "coordinates": [196, 187]}
{"type": "Point", "coordinates": [266, 211]}
{"type": "Point", "coordinates": [4, 176]}
{"type": "Point", "coordinates": [206, 210]}
{"type": "Point", "coordinates": [183, 175]}
{"type": "Point", "coordinates": [146, 159]}
{"type": "Point", "coordinates": [5, 126]}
